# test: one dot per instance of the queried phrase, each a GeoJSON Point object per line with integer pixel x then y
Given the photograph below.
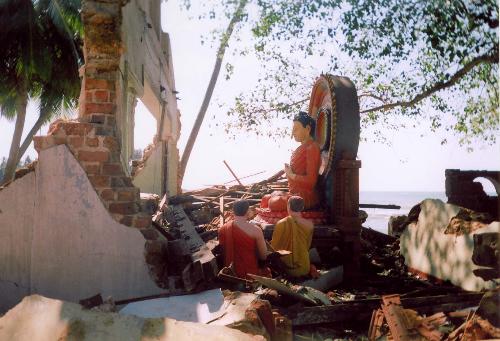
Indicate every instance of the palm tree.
{"type": "Point", "coordinates": [40, 56]}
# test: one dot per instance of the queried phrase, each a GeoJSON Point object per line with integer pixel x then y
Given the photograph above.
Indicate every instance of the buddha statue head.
{"type": "Point", "coordinates": [303, 127]}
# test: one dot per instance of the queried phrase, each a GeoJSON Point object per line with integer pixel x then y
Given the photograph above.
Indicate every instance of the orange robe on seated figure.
{"type": "Point", "coordinates": [240, 249]}
{"type": "Point", "coordinates": [305, 164]}
{"type": "Point", "coordinates": [290, 235]}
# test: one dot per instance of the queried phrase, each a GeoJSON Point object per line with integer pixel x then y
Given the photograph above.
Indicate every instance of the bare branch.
{"type": "Point", "coordinates": [490, 59]}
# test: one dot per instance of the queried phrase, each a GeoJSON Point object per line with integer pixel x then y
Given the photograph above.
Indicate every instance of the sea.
{"type": "Point", "coordinates": [378, 218]}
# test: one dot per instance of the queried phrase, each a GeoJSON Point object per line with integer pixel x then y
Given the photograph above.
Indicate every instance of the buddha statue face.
{"type": "Point", "coordinates": [301, 133]}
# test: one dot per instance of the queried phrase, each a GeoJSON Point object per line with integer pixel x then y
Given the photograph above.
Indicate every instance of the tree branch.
{"type": "Point", "coordinates": [490, 59]}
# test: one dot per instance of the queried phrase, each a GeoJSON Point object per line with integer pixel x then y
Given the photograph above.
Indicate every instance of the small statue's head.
{"type": "Point", "coordinates": [240, 208]}
{"type": "Point", "coordinates": [303, 126]}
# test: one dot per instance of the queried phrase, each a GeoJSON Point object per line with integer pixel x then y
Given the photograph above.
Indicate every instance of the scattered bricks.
{"type": "Point", "coordinates": [75, 141]}
{"type": "Point", "coordinates": [91, 168]}
{"type": "Point", "coordinates": [263, 309]}
{"type": "Point", "coordinates": [99, 181]}
{"type": "Point", "coordinates": [101, 96]}
{"type": "Point", "coordinates": [121, 181]}
{"type": "Point", "coordinates": [98, 156]}
{"type": "Point", "coordinates": [97, 118]}
{"type": "Point", "coordinates": [99, 108]}
{"type": "Point", "coordinates": [123, 208]}
{"type": "Point", "coordinates": [150, 233]}
{"type": "Point", "coordinates": [113, 169]}
{"type": "Point", "coordinates": [107, 194]}
{"type": "Point", "coordinates": [92, 84]}
{"type": "Point", "coordinates": [111, 143]}
{"type": "Point", "coordinates": [143, 222]}
{"type": "Point", "coordinates": [92, 141]}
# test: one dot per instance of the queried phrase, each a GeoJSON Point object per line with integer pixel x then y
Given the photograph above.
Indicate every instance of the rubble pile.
{"type": "Point", "coordinates": [430, 310]}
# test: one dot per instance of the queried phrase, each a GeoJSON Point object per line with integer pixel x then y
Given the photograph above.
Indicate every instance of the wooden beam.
{"type": "Point", "coordinates": [361, 310]}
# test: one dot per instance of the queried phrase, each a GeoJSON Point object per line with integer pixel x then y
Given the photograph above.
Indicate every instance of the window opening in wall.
{"type": "Point", "coordinates": [144, 130]}
{"type": "Point", "coordinates": [488, 186]}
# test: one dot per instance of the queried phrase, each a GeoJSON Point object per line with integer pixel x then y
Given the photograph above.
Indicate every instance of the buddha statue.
{"type": "Point", "coordinates": [302, 173]}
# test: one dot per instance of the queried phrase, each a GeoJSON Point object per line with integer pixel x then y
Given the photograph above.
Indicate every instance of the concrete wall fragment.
{"type": "Point", "coordinates": [63, 241]}
{"type": "Point", "coordinates": [428, 250]}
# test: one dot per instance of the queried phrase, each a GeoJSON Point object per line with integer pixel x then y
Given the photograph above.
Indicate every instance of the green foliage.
{"type": "Point", "coordinates": [430, 61]}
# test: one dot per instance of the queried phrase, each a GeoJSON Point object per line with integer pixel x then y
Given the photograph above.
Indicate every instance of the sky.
{"type": "Point", "coordinates": [415, 160]}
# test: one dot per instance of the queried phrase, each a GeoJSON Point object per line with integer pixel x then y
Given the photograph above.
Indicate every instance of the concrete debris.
{"type": "Point", "coordinates": [39, 318]}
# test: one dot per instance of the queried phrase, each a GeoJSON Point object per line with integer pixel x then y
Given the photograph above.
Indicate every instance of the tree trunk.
{"type": "Point", "coordinates": [210, 89]}
{"type": "Point", "coordinates": [21, 104]}
{"type": "Point", "coordinates": [29, 137]}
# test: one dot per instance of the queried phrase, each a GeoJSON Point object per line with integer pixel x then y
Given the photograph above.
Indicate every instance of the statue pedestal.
{"type": "Point", "coordinates": [345, 212]}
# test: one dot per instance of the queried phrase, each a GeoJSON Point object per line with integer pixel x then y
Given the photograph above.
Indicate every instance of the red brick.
{"type": "Point", "coordinates": [111, 143]}
{"type": "Point", "coordinates": [92, 141]}
{"type": "Point", "coordinates": [126, 220]}
{"type": "Point", "coordinates": [99, 108]}
{"type": "Point", "coordinates": [76, 128]}
{"type": "Point", "coordinates": [59, 140]}
{"type": "Point", "coordinates": [92, 168]}
{"type": "Point", "coordinates": [75, 141]}
{"type": "Point", "coordinates": [112, 169]}
{"type": "Point", "coordinates": [108, 194]}
{"type": "Point", "coordinates": [143, 222]}
{"type": "Point", "coordinates": [101, 96]}
{"type": "Point", "coordinates": [123, 208]}
{"type": "Point", "coordinates": [89, 96]}
{"type": "Point", "coordinates": [99, 181]}
{"type": "Point", "coordinates": [93, 84]}
{"type": "Point", "coordinates": [99, 156]}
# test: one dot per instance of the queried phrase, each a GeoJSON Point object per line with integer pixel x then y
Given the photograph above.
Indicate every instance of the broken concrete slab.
{"type": "Point", "coordinates": [202, 307]}
{"type": "Point", "coordinates": [64, 243]}
{"type": "Point", "coordinates": [39, 318]}
{"type": "Point", "coordinates": [429, 251]}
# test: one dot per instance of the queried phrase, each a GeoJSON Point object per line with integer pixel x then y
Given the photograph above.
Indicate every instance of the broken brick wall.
{"type": "Point", "coordinates": [97, 186]}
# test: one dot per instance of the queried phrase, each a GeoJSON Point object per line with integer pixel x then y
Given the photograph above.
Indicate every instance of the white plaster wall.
{"type": "Point", "coordinates": [149, 179]}
{"type": "Point", "coordinates": [16, 234]}
{"type": "Point", "coordinates": [77, 249]}
{"type": "Point", "coordinates": [426, 248]}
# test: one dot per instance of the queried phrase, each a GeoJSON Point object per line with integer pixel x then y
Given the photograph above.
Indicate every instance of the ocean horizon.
{"type": "Point", "coordinates": [378, 218]}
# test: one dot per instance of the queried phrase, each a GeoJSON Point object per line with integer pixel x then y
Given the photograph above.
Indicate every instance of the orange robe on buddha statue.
{"type": "Point", "coordinates": [305, 164]}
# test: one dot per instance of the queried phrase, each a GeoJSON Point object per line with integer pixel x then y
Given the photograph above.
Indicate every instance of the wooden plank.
{"type": "Point", "coordinates": [361, 310]}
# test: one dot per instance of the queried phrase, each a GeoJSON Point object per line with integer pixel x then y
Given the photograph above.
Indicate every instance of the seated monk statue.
{"type": "Point", "coordinates": [302, 173]}
{"type": "Point", "coordinates": [294, 234]}
{"type": "Point", "coordinates": [243, 243]}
